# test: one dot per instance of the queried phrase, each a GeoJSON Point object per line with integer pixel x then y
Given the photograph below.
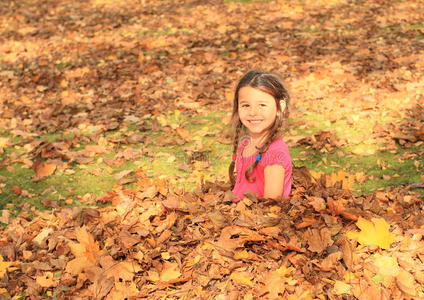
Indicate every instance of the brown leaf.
{"type": "Point", "coordinates": [122, 174]}
{"type": "Point", "coordinates": [228, 242]}
{"type": "Point", "coordinates": [318, 239]}
{"type": "Point", "coordinates": [101, 287]}
{"type": "Point", "coordinates": [347, 251]}
{"type": "Point", "coordinates": [163, 237]}
{"type": "Point", "coordinates": [218, 219]}
{"type": "Point", "coordinates": [330, 262]}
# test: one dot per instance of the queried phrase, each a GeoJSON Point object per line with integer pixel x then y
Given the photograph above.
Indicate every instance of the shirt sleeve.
{"type": "Point", "coordinates": [277, 157]}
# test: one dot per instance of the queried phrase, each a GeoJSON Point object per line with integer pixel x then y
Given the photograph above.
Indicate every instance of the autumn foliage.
{"type": "Point", "coordinates": [156, 241]}
{"type": "Point", "coordinates": [89, 68]}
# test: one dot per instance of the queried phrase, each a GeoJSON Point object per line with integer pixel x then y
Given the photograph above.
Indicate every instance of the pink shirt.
{"type": "Point", "coordinates": [277, 154]}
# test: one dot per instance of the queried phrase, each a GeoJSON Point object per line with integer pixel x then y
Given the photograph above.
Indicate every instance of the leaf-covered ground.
{"type": "Point", "coordinates": [158, 242]}
{"type": "Point", "coordinates": [111, 97]}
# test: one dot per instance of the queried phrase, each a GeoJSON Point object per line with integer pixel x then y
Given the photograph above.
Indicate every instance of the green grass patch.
{"type": "Point", "coordinates": [185, 165]}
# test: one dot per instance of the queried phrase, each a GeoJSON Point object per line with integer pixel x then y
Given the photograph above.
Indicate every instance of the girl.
{"type": "Point", "coordinates": [262, 160]}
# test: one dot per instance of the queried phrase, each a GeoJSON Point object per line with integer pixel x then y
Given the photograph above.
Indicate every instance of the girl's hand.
{"type": "Point", "coordinates": [274, 181]}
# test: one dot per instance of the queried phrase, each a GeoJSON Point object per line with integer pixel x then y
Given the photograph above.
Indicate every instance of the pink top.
{"type": "Point", "coordinates": [277, 154]}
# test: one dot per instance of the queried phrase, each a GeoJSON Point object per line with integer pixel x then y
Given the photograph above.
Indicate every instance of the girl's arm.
{"type": "Point", "coordinates": [273, 181]}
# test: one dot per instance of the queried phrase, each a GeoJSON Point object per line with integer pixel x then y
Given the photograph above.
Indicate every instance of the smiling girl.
{"type": "Point", "coordinates": [261, 158]}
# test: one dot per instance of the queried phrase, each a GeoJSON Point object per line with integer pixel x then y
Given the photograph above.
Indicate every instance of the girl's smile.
{"type": "Point", "coordinates": [257, 111]}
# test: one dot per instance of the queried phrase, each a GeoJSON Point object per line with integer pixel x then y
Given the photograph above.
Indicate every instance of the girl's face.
{"type": "Point", "coordinates": [257, 110]}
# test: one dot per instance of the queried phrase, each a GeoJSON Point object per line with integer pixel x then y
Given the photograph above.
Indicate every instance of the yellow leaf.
{"type": "Point", "coordinates": [42, 236]}
{"type": "Point", "coordinates": [283, 271]}
{"type": "Point", "coordinates": [241, 277]}
{"type": "Point", "coordinates": [241, 254]}
{"type": "Point", "coordinates": [291, 281]}
{"type": "Point", "coordinates": [153, 276]}
{"type": "Point", "coordinates": [123, 290]}
{"type": "Point", "coordinates": [46, 280]}
{"type": "Point", "coordinates": [387, 268]}
{"type": "Point", "coordinates": [386, 265]}
{"type": "Point", "coordinates": [7, 266]}
{"type": "Point", "coordinates": [170, 271]}
{"type": "Point", "coordinates": [342, 288]}
{"type": "Point", "coordinates": [373, 233]}
{"type": "Point", "coordinates": [4, 142]}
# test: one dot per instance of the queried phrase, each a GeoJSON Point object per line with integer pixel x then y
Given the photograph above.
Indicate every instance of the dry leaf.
{"type": "Point", "coordinates": [170, 272]}
{"type": "Point", "coordinates": [373, 233]}
{"type": "Point", "coordinates": [244, 278]}
{"type": "Point", "coordinates": [43, 169]}
{"type": "Point", "coordinates": [318, 239]}
{"type": "Point", "coordinates": [406, 283]}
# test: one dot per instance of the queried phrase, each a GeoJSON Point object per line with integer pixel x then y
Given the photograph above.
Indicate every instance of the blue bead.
{"type": "Point", "coordinates": [258, 158]}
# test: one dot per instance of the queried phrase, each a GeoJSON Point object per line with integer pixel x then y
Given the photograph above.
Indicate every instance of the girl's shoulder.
{"type": "Point", "coordinates": [278, 145]}
{"type": "Point", "coordinates": [277, 153]}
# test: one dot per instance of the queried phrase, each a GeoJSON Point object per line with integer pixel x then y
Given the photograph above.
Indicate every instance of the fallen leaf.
{"type": "Point", "coordinates": [7, 266]}
{"type": "Point", "coordinates": [318, 239]}
{"type": "Point", "coordinates": [170, 272]}
{"type": "Point", "coordinates": [341, 288]}
{"type": "Point", "coordinates": [42, 236]}
{"type": "Point", "coordinates": [43, 169]}
{"type": "Point", "coordinates": [406, 283]}
{"type": "Point", "coordinates": [46, 280]}
{"type": "Point", "coordinates": [373, 233]}
{"type": "Point", "coordinates": [244, 278]}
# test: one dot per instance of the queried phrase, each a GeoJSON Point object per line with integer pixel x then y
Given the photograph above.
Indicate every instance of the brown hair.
{"type": "Point", "coordinates": [270, 84]}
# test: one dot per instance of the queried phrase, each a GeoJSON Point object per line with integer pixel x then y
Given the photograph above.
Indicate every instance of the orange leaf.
{"type": "Point", "coordinates": [43, 169]}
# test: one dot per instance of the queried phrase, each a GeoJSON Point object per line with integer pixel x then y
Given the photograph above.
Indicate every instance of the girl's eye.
{"type": "Point", "coordinates": [245, 105]}
{"type": "Point", "coordinates": [263, 105]}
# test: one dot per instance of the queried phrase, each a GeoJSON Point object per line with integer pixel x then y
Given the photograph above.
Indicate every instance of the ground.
{"type": "Point", "coordinates": [128, 102]}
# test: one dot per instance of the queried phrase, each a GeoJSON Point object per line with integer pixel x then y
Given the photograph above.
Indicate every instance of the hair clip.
{"type": "Point", "coordinates": [234, 157]}
{"type": "Point", "coordinates": [258, 158]}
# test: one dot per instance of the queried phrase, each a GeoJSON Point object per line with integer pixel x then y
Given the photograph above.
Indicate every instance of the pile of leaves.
{"type": "Point", "coordinates": [158, 241]}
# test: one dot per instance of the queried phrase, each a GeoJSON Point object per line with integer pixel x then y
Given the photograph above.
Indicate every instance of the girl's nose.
{"type": "Point", "coordinates": [253, 110]}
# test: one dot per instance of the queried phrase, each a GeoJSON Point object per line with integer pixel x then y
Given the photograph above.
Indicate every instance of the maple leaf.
{"type": "Point", "coordinates": [275, 282]}
{"type": "Point", "coordinates": [86, 252]}
{"type": "Point", "coordinates": [118, 270]}
{"type": "Point", "coordinates": [373, 233]}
